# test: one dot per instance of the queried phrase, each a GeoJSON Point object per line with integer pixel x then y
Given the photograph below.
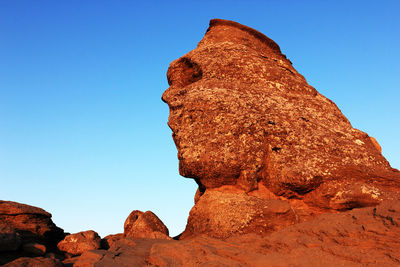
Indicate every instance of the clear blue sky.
{"type": "Point", "coordinates": [83, 130]}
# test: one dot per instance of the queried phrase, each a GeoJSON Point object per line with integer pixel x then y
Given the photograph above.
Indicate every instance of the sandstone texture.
{"type": "Point", "coordinates": [223, 214]}
{"type": "Point", "coordinates": [283, 178]}
{"type": "Point", "coordinates": [76, 244]}
{"type": "Point", "coordinates": [242, 116]}
{"type": "Point", "coordinates": [145, 225]}
{"type": "Point", "coordinates": [240, 113]}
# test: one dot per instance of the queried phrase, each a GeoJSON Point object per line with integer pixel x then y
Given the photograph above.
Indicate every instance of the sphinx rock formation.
{"type": "Point", "coordinates": [283, 178]}
{"type": "Point", "coordinates": [245, 122]}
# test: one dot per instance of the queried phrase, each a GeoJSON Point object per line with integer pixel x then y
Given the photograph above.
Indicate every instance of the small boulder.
{"type": "Point", "coordinates": [76, 244]}
{"type": "Point", "coordinates": [145, 225]}
{"type": "Point", "coordinates": [109, 240]}
{"type": "Point", "coordinates": [32, 224]}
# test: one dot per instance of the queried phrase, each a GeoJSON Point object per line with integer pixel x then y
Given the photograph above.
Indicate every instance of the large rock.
{"type": "Point", "coordinates": [145, 225]}
{"type": "Point", "coordinates": [76, 244]}
{"type": "Point", "coordinates": [26, 231]}
{"type": "Point", "coordinates": [241, 115]}
{"type": "Point", "coordinates": [32, 224]}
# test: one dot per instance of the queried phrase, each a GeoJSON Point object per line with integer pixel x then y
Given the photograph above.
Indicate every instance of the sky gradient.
{"type": "Point", "coordinates": [83, 130]}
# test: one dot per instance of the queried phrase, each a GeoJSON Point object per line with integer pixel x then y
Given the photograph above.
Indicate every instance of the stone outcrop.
{"type": "Point", "coordinates": [145, 225]}
{"type": "Point", "coordinates": [242, 116]}
{"type": "Point", "coordinates": [283, 178]}
{"type": "Point", "coordinates": [26, 231]}
{"type": "Point", "coordinates": [360, 237]}
{"type": "Point", "coordinates": [76, 244]}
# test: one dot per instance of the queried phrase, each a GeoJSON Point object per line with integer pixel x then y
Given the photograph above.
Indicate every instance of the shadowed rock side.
{"type": "Point", "coordinates": [242, 116]}
{"type": "Point", "coordinates": [26, 231]}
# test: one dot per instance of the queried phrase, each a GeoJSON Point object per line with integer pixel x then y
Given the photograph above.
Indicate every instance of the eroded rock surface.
{"type": "Point", "coordinates": [145, 225]}
{"type": "Point", "coordinates": [360, 237]}
{"type": "Point", "coordinates": [241, 113]}
{"type": "Point", "coordinates": [76, 244]}
{"type": "Point", "coordinates": [109, 240]}
{"type": "Point", "coordinates": [223, 214]}
{"type": "Point", "coordinates": [26, 231]}
{"type": "Point", "coordinates": [284, 179]}
{"type": "Point", "coordinates": [242, 116]}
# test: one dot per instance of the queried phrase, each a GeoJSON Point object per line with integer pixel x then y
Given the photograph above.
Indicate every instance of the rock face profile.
{"type": "Point", "coordinates": [283, 178]}
{"type": "Point", "coordinates": [243, 117]}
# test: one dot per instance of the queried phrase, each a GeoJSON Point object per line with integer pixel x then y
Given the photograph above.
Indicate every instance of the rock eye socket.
{"type": "Point", "coordinates": [184, 72]}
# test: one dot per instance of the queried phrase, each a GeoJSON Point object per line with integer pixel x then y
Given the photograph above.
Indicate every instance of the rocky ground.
{"type": "Point", "coordinates": [284, 179]}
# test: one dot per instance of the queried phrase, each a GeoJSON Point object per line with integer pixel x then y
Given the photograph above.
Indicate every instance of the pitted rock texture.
{"type": "Point", "coordinates": [243, 118]}
{"type": "Point", "coordinates": [240, 113]}
{"type": "Point", "coordinates": [145, 225]}
{"type": "Point", "coordinates": [223, 214]}
{"type": "Point", "coordinates": [76, 244]}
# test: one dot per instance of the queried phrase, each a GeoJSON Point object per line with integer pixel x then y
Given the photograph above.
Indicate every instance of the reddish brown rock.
{"type": "Point", "coordinates": [241, 115]}
{"type": "Point", "coordinates": [376, 144]}
{"type": "Point", "coordinates": [360, 237]}
{"type": "Point", "coordinates": [109, 240]}
{"type": "Point", "coordinates": [89, 258]}
{"type": "Point", "coordinates": [145, 225]}
{"type": "Point", "coordinates": [124, 252]}
{"type": "Point", "coordinates": [31, 223]}
{"type": "Point", "coordinates": [76, 244]}
{"type": "Point", "coordinates": [34, 262]}
{"type": "Point", "coordinates": [224, 214]}
{"type": "Point", "coordinates": [21, 226]}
